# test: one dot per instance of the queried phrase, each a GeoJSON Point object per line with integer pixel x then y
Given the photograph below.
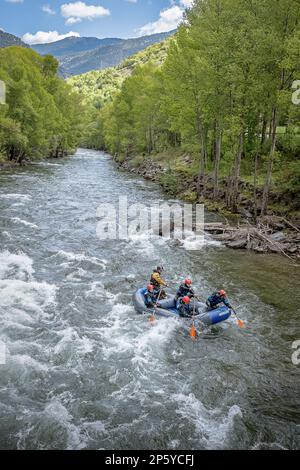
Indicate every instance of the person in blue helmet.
{"type": "Point", "coordinates": [216, 299]}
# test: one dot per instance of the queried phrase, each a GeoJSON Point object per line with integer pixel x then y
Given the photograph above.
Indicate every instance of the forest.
{"type": "Point", "coordinates": [42, 115]}
{"type": "Point", "coordinates": [218, 114]}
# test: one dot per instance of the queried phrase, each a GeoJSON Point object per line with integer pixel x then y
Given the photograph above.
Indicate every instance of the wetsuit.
{"type": "Point", "coordinates": [185, 291]}
{"type": "Point", "coordinates": [215, 299]}
{"type": "Point", "coordinates": [150, 299]}
{"type": "Point", "coordinates": [185, 310]}
{"type": "Point", "coordinates": [157, 282]}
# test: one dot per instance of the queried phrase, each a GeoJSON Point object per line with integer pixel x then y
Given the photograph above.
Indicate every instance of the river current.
{"type": "Point", "coordinates": [81, 370]}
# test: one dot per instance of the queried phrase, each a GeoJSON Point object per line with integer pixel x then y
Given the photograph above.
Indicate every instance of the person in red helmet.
{"type": "Point", "coordinates": [218, 298]}
{"type": "Point", "coordinates": [150, 297]}
{"type": "Point", "coordinates": [184, 306]}
{"type": "Point", "coordinates": [185, 289]}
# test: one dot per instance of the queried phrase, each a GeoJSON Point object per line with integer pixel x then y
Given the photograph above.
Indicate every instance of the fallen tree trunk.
{"type": "Point", "coordinates": [260, 238]}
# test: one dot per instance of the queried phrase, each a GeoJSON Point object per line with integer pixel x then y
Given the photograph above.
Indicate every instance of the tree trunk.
{"type": "Point", "coordinates": [268, 181]}
{"type": "Point", "coordinates": [237, 170]}
{"type": "Point", "coordinates": [264, 130]}
{"type": "Point", "coordinates": [201, 137]}
{"type": "Point", "coordinates": [218, 139]}
{"type": "Point", "coordinates": [255, 186]}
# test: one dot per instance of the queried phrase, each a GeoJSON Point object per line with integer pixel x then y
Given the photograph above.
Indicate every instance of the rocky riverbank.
{"type": "Point", "coordinates": [271, 234]}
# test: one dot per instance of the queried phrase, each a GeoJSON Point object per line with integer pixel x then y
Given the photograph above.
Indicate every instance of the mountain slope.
{"type": "Point", "coordinates": [73, 45]}
{"type": "Point", "coordinates": [99, 87]}
{"type": "Point", "coordinates": [7, 40]}
{"type": "Point", "coordinates": [80, 55]}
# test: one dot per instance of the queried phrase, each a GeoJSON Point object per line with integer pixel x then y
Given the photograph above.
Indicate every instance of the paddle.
{"type": "Point", "coordinates": [193, 332]}
{"type": "Point", "coordinates": [240, 322]}
{"type": "Point", "coordinates": [152, 316]}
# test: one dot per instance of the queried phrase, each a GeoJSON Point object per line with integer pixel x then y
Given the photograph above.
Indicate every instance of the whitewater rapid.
{"type": "Point", "coordinates": [83, 371]}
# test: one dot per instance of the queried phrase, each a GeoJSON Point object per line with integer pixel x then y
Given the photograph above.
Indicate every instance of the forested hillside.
{"type": "Point", "coordinates": [81, 55]}
{"type": "Point", "coordinates": [7, 40]}
{"type": "Point", "coordinates": [73, 45]}
{"type": "Point", "coordinates": [100, 86]}
{"type": "Point", "coordinates": [218, 114]}
{"type": "Point", "coordinates": [42, 116]}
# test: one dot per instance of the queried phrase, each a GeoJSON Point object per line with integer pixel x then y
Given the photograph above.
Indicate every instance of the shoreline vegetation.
{"type": "Point", "coordinates": [42, 116]}
{"type": "Point", "coordinates": [269, 234]}
{"type": "Point", "coordinates": [218, 119]}
{"type": "Point", "coordinates": [212, 114]}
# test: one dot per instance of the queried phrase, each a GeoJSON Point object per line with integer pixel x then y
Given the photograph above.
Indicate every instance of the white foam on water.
{"type": "Point", "coordinates": [21, 197]}
{"type": "Point", "coordinates": [80, 257]}
{"type": "Point", "coordinates": [55, 418]}
{"type": "Point", "coordinates": [95, 428]}
{"type": "Point", "coordinates": [23, 363]}
{"type": "Point", "coordinates": [7, 235]}
{"type": "Point", "coordinates": [17, 220]}
{"type": "Point", "coordinates": [71, 341]}
{"type": "Point", "coordinates": [195, 243]}
{"type": "Point", "coordinates": [115, 339]}
{"type": "Point", "coordinates": [77, 276]}
{"type": "Point", "coordinates": [96, 289]}
{"type": "Point", "coordinates": [268, 446]}
{"type": "Point", "coordinates": [17, 264]}
{"type": "Point", "coordinates": [22, 318]}
{"type": "Point", "coordinates": [141, 342]}
{"type": "Point", "coordinates": [33, 296]}
{"type": "Point", "coordinates": [212, 427]}
{"type": "Point", "coordinates": [45, 164]}
{"type": "Point", "coordinates": [143, 242]}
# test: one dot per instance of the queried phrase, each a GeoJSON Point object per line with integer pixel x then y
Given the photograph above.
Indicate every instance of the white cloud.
{"type": "Point", "coordinates": [42, 37]}
{"type": "Point", "coordinates": [14, 1]}
{"type": "Point", "coordinates": [168, 19]}
{"type": "Point", "coordinates": [48, 9]}
{"type": "Point", "coordinates": [78, 11]}
{"type": "Point", "coordinates": [186, 3]}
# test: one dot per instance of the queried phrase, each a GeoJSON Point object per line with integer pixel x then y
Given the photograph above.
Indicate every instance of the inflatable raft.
{"type": "Point", "coordinates": [168, 309]}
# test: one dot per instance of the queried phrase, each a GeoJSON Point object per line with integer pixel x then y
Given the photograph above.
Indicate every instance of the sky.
{"type": "Point", "coordinates": [40, 21]}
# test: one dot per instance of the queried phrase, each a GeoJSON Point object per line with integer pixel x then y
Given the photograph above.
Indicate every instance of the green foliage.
{"type": "Point", "coordinates": [42, 115]}
{"type": "Point", "coordinates": [290, 179]}
{"type": "Point", "coordinates": [100, 86]}
{"type": "Point", "coordinates": [170, 182]}
{"type": "Point", "coordinates": [222, 89]}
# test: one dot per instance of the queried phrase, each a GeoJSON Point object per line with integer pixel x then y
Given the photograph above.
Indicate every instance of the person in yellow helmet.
{"type": "Point", "coordinates": [158, 283]}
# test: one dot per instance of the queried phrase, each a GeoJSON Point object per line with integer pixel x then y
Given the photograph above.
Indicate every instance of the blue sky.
{"type": "Point", "coordinates": [45, 21]}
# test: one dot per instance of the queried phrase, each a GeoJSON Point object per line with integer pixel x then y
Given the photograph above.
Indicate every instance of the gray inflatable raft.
{"type": "Point", "coordinates": [168, 309]}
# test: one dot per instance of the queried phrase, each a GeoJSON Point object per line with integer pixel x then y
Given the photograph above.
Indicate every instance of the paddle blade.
{"type": "Point", "coordinates": [240, 323]}
{"type": "Point", "coordinates": [193, 332]}
{"type": "Point", "coordinates": [152, 319]}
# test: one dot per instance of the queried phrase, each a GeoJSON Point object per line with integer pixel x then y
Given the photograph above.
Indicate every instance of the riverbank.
{"type": "Point", "coordinates": [273, 233]}
{"type": "Point", "coordinates": [11, 164]}
{"type": "Point", "coordinates": [81, 364]}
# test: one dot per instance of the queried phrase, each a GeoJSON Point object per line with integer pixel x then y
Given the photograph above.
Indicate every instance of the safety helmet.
{"type": "Point", "coordinates": [186, 300]}
{"type": "Point", "coordinates": [159, 269]}
{"type": "Point", "coordinates": [222, 293]}
{"type": "Point", "coordinates": [150, 287]}
{"type": "Point", "coordinates": [188, 282]}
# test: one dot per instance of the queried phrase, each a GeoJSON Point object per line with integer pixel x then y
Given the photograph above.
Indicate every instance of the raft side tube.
{"type": "Point", "coordinates": [168, 309]}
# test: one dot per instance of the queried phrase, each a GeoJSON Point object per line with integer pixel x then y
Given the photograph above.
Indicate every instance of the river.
{"type": "Point", "coordinates": [81, 370]}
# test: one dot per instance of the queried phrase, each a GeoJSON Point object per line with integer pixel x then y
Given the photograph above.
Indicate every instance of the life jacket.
{"type": "Point", "coordinates": [184, 291]}
{"type": "Point", "coordinates": [216, 299]}
{"type": "Point", "coordinates": [150, 299]}
{"type": "Point", "coordinates": [184, 309]}
{"type": "Point", "coordinates": [156, 280]}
